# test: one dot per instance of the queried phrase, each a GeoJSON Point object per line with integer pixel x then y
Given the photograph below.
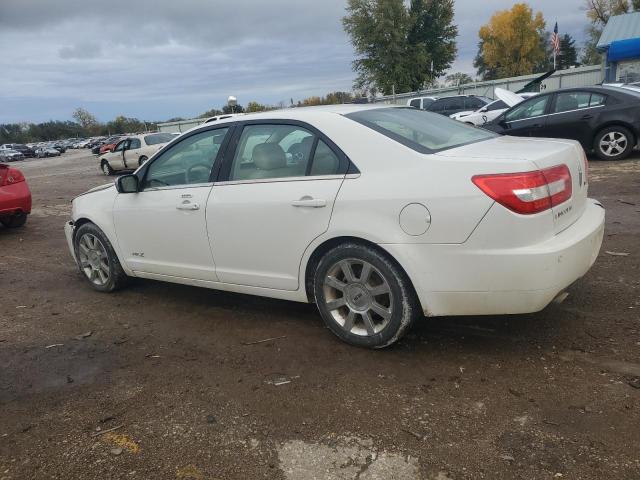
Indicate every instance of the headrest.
{"type": "Point", "coordinates": [269, 156]}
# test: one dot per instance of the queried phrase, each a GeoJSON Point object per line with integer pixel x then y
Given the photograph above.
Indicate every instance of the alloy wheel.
{"type": "Point", "coordinates": [613, 143]}
{"type": "Point", "coordinates": [358, 297]}
{"type": "Point", "coordinates": [94, 260]}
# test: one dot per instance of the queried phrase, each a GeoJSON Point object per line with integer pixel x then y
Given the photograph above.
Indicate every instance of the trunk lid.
{"type": "Point", "coordinates": [540, 154]}
{"type": "Point", "coordinates": [507, 96]}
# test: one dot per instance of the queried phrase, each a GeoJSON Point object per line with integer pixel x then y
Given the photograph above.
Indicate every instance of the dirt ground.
{"type": "Point", "coordinates": [155, 382]}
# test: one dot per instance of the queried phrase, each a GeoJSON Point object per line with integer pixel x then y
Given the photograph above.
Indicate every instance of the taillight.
{"type": "Point", "coordinates": [11, 176]}
{"type": "Point", "coordinates": [528, 192]}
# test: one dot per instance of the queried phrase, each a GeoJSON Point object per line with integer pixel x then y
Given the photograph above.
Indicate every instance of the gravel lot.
{"type": "Point", "coordinates": [155, 382]}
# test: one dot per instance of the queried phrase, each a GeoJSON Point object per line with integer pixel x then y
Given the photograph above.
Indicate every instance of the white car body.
{"type": "Point", "coordinates": [492, 110]}
{"type": "Point", "coordinates": [464, 253]}
{"type": "Point", "coordinates": [420, 103]}
{"type": "Point", "coordinates": [131, 152]}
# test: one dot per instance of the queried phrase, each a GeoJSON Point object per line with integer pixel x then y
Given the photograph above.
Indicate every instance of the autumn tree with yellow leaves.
{"type": "Point", "coordinates": [510, 44]}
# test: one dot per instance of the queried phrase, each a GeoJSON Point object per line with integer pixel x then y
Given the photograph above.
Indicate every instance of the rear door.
{"type": "Point", "coordinates": [572, 115]}
{"type": "Point", "coordinates": [274, 197]}
{"type": "Point", "coordinates": [529, 118]}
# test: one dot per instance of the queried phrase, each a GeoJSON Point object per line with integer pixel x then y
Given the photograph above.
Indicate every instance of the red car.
{"type": "Point", "coordinates": [15, 197]}
{"type": "Point", "coordinates": [109, 144]}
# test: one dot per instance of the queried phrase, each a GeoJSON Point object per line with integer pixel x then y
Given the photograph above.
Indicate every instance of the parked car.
{"type": "Point", "coordinates": [458, 103]}
{"type": "Point", "coordinates": [296, 205]}
{"type": "Point", "coordinates": [19, 147]}
{"type": "Point", "coordinates": [60, 147]}
{"type": "Point", "coordinates": [44, 152]}
{"type": "Point", "coordinates": [8, 155]}
{"type": "Point", "coordinates": [132, 152]}
{"type": "Point", "coordinates": [603, 119]}
{"type": "Point", "coordinates": [15, 197]}
{"type": "Point", "coordinates": [421, 103]}
{"type": "Point", "coordinates": [109, 144]}
{"type": "Point", "coordinates": [504, 100]}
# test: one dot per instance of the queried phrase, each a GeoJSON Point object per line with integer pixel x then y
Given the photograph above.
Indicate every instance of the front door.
{"type": "Point", "coordinates": [131, 153]}
{"type": "Point", "coordinates": [527, 119]}
{"type": "Point", "coordinates": [162, 229]}
{"type": "Point", "coordinates": [277, 196]}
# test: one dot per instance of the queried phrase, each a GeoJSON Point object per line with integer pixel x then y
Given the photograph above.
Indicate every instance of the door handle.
{"type": "Point", "coordinates": [587, 117]}
{"type": "Point", "coordinates": [309, 202]}
{"type": "Point", "coordinates": [188, 206]}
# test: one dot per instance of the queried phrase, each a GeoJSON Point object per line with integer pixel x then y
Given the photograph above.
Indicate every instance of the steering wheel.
{"type": "Point", "coordinates": [189, 172]}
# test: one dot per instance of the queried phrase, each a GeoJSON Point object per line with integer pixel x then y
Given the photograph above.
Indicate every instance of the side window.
{"type": "Point", "coordinates": [568, 101]}
{"type": "Point", "coordinates": [325, 162]}
{"type": "Point", "coordinates": [134, 143]}
{"type": "Point", "coordinates": [597, 99]}
{"type": "Point", "coordinates": [187, 162]}
{"type": "Point", "coordinates": [436, 106]}
{"type": "Point", "coordinates": [498, 105]}
{"type": "Point", "coordinates": [528, 109]}
{"type": "Point", "coordinates": [473, 103]}
{"type": "Point", "coordinates": [120, 146]}
{"type": "Point", "coordinates": [415, 103]}
{"type": "Point", "coordinates": [272, 151]}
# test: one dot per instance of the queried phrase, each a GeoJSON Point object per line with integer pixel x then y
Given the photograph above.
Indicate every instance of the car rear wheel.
{"type": "Point", "coordinates": [363, 297]}
{"type": "Point", "coordinates": [106, 168]}
{"type": "Point", "coordinates": [14, 221]}
{"type": "Point", "coordinates": [141, 160]}
{"type": "Point", "coordinates": [97, 260]}
{"type": "Point", "coordinates": [613, 143]}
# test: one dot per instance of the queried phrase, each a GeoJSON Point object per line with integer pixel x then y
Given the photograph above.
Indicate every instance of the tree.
{"type": "Point", "coordinates": [511, 41]}
{"type": "Point", "coordinates": [458, 78]}
{"type": "Point", "coordinates": [568, 56]}
{"type": "Point", "coordinates": [85, 119]}
{"type": "Point", "coordinates": [256, 107]}
{"type": "Point", "coordinates": [228, 109]}
{"type": "Point", "coordinates": [484, 72]}
{"type": "Point", "coordinates": [400, 48]}
{"type": "Point", "coordinates": [598, 13]}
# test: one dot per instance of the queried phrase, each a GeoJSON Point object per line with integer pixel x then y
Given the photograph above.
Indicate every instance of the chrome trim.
{"type": "Point", "coordinates": [556, 113]}
{"type": "Point", "coordinates": [281, 180]}
{"type": "Point", "coordinates": [178, 187]}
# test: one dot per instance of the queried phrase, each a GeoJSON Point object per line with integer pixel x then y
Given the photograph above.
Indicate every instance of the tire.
{"type": "Point", "coordinates": [97, 261]}
{"type": "Point", "coordinates": [141, 160]}
{"type": "Point", "coordinates": [613, 143]}
{"type": "Point", "coordinates": [14, 221]}
{"type": "Point", "coordinates": [351, 308]}
{"type": "Point", "coordinates": [106, 168]}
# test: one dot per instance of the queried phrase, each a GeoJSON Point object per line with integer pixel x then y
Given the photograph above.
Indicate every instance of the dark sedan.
{"type": "Point", "coordinates": [603, 119]}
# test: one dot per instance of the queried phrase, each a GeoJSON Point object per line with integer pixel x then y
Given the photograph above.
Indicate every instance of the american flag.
{"type": "Point", "coordinates": [555, 39]}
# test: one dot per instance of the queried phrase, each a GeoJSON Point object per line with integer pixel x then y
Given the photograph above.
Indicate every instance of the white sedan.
{"type": "Point", "coordinates": [504, 100]}
{"type": "Point", "coordinates": [379, 215]}
{"type": "Point", "coordinates": [131, 152]}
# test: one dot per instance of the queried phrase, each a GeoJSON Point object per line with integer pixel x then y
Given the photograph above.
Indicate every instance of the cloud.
{"type": "Point", "coordinates": [157, 59]}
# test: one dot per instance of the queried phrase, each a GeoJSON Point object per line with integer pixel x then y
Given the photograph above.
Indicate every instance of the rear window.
{"type": "Point", "coordinates": [422, 131]}
{"type": "Point", "coordinates": [157, 138]}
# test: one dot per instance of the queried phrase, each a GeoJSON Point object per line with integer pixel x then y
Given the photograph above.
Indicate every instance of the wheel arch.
{"type": "Point", "coordinates": [330, 243]}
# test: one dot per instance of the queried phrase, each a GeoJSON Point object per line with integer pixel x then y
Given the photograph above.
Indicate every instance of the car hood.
{"type": "Point", "coordinates": [98, 189]}
{"type": "Point", "coordinates": [508, 97]}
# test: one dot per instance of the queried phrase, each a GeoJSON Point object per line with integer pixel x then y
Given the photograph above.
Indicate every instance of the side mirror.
{"type": "Point", "coordinates": [127, 184]}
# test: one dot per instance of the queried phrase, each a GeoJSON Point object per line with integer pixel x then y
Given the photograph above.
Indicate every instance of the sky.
{"type": "Point", "coordinates": [158, 59]}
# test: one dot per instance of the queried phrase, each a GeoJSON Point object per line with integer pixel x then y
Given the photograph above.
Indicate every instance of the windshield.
{"type": "Point", "coordinates": [158, 138]}
{"type": "Point", "coordinates": [422, 131]}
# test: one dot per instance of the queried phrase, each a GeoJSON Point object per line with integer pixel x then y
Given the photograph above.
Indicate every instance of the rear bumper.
{"type": "Point", "coordinates": [465, 280]}
{"type": "Point", "coordinates": [15, 198]}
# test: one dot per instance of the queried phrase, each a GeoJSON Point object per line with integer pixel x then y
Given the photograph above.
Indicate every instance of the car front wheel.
{"type": "Point", "coordinates": [613, 143]}
{"type": "Point", "coordinates": [97, 260]}
{"type": "Point", "coordinates": [106, 168]}
{"type": "Point", "coordinates": [364, 298]}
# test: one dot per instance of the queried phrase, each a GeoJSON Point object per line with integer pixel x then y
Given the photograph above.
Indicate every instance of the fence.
{"type": "Point", "coordinates": [572, 77]}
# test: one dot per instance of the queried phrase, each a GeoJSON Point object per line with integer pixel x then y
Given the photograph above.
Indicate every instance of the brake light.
{"type": "Point", "coordinates": [528, 192]}
{"type": "Point", "coordinates": [11, 176]}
